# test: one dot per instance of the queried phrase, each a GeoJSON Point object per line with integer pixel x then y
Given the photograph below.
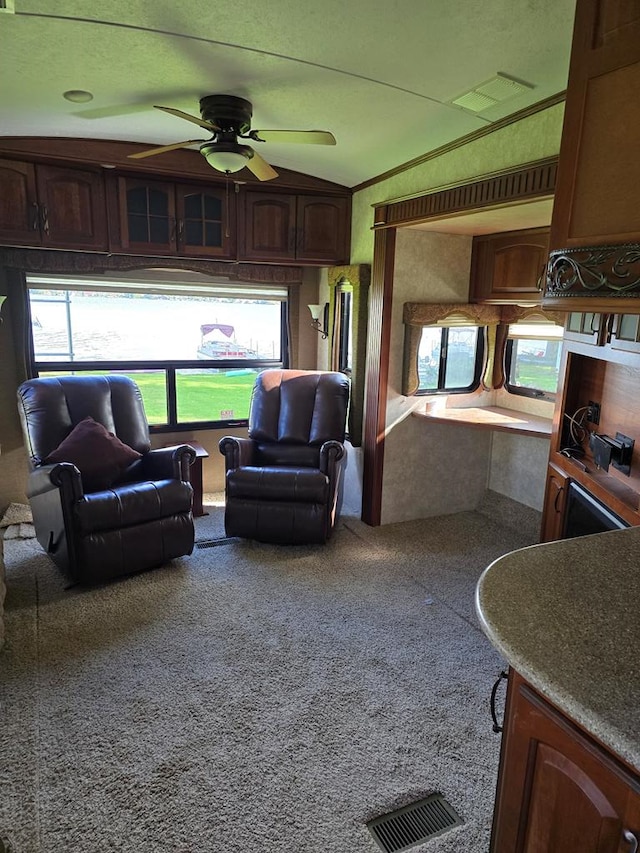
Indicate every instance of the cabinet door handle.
{"type": "Point", "coordinates": [556, 508]}
{"type": "Point", "coordinates": [497, 728]}
{"type": "Point", "coordinates": [35, 222]}
{"type": "Point", "coordinates": [180, 231]}
{"type": "Point", "coordinates": [45, 218]}
{"type": "Point", "coordinates": [631, 839]}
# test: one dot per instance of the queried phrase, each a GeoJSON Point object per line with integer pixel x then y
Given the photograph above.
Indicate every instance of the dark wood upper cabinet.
{"type": "Point", "coordinates": [176, 207]}
{"type": "Point", "coordinates": [559, 790]}
{"type": "Point", "coordinates": [304, 229]}
{"type": "Point", "coordinates": [599, 168]}
{"type": "Point", "coordinates": [508, 267]}
{"type": "Point", "coordinates": [206, 221]}
{"type": "Point", "coordinates": [52, 206]}
{"type": "Point", "coordinates": [322, 230]}
{"type": "Point", "coordinates": [159, 217]}
{"type": "Point", "coordinates": [269, 227]}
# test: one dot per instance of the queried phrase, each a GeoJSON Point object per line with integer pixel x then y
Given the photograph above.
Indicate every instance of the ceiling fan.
{"type": "Point", "coordinates": [229, 119]}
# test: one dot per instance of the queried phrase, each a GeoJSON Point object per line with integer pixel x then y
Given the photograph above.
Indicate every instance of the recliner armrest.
{"type": "Point", "coordinates": [331, 452]}
{"type": "Point", "coordinates": [169, 463]}
{"type": "Point", "coordinates": [62, 476]}
{"type": "Point", "coordinates": [237, 452]}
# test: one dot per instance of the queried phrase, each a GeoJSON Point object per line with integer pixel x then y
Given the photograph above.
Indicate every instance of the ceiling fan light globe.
{"type": "Point", "coordinates": [226, 157]}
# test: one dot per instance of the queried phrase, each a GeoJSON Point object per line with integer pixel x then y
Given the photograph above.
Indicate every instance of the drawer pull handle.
{"type": "Point", "coordinates": [497, 728]}
{"type": "Point", "coordinates": [631, 839]}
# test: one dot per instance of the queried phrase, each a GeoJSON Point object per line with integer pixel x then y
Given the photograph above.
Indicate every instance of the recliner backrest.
{"type": "Point", "coordinates": [50, 407]}
{"type": "Point", "coordinates": [298, 407]}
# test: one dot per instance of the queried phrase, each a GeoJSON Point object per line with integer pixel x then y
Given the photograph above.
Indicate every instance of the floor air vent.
{"type": "Point", "coordinates": [211, 543]}
{"type": "Point", "coordinates": [413, 824]}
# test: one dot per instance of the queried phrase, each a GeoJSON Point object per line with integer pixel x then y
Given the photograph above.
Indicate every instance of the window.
{"type": "Point", "coordinates": [532, 359]}
{"type": "Point", "coordinates": [343, 345]}
{"type": "Point", "coordinates": [193, 349]}
{"type": "Point", "coordinates": [450, 359]}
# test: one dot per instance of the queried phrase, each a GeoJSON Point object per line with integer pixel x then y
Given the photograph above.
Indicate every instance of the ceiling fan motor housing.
{"type": "Point", "coordinates": [228, 112]}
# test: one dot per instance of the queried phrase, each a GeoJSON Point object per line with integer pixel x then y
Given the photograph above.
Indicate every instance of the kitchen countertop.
{"type": "Point", "coordinates": [566, 616]}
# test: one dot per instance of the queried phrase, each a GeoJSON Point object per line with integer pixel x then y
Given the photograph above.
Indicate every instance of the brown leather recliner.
{"type": "Point", "coordinates": [283, 482]}
{"type": "Point", "coordinates": [141, 520]}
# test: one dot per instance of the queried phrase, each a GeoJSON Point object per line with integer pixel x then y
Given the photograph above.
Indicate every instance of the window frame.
{"type": "Point", "coordinates": [481, 347]}
{"type": "Point", "coordinates": [520, 390]}
{"type": "Point", "coordinates": [170, 368]}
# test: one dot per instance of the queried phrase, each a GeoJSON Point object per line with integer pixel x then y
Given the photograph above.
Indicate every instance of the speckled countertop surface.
{"type": "Point", "coordinates": [566, 616]}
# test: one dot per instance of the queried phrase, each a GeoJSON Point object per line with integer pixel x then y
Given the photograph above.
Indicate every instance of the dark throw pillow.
{"type": "Point", "coordinates": [98, 454]}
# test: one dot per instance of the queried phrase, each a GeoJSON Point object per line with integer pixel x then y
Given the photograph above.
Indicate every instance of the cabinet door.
{"type": "Point", "coordinates": [147, 216]}
{"type": "Point", "coordinates": [555, 498]}
{"type": "Point", "coordinates": [558, 790]}
{"type": "Point", "coordinates": [588, 328]}
{"type": "Point", "coordinates": [19, 212]}
{"type": "Point", "coordinates": [508, 267]}
{"type": "Point", "coordinates": [269, 227]}
{"type": "Point", "coordinates": [625, 332]}
{"type": "Point", "coordinates": [322, 226]}
{"type": "Point", "coordinates": [206, 221]}
{"type": "Point", "coordinates": [72, 208]}
{"type": "Point", "coordinates": [599, 166]}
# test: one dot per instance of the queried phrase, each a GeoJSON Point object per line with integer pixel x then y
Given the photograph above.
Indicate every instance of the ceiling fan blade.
{"type": "Point", "coordinates": [260, 168]}
{"type": "Point", "coordinates": [309, 137]}
{"type": "Point", "coordinates": [206, 124]}
{"type": "Point", "coordinates": [152, 151]}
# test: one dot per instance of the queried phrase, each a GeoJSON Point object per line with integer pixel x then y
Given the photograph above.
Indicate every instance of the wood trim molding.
{"type": "Point", "coordinates": [464, 140]}
{"type": "Point", "coordinates": [536, 180]}
{"type": "Point", "coordinates": [84, 263]}
{"type": "Point", "coordinates": [377, 375]}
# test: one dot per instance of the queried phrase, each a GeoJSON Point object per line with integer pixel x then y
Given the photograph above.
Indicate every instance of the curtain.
{"type": "Point", "coordinates": [14, 283]}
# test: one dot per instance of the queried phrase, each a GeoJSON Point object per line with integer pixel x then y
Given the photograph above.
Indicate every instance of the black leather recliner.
{"type": "Point", "coordinates": [142, 520]}
{"type": "Point", "coordinates": [283, 482]}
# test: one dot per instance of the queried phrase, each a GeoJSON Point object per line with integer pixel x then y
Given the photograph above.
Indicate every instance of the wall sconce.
{"type": "Point", "coordinates": [320, 325]}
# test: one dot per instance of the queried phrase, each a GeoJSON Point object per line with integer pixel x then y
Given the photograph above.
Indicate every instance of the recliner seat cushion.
{"type": "Point", "coordinates": [135, 503]}
{"type": "Point", "coordinates": [304, 485]}
{"type": "Point", "coordinates": [98, 454]}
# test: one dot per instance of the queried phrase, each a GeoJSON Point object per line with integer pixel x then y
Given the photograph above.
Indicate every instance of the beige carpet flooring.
{"type": "Point", "coordinates": [252, 698]}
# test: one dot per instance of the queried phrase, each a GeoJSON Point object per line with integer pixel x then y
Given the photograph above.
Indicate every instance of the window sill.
{"type": "Point", "coordinates": [491, 417]}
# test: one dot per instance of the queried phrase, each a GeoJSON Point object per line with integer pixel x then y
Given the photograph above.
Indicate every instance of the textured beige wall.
{"type": "Point", "coordinates": [530, 139]}
{"type": "Point", "coordinates": [429, 469]}
{"type": "Point", "coordinates": [519, 467]}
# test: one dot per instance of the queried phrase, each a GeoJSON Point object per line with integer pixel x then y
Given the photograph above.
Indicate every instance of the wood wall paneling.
{"type": "Point", "coordinates": [377, 373]}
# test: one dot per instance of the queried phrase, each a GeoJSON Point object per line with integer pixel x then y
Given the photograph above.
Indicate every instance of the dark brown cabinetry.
{"type": "Point", "coordinates": [554, 504]}
{"type": "Point", "coordinates": [57, 194]}
{"type": "Point", "coordinates": [158, 217]}
{"type": "Point", "coordinates": [306, 229]}
{"type": "Point", "coordinates": [52, 206]}
{"type": "Point", "coordinates": [508, 267]}
{"type": "Point", "coordinates": [558, 789]}
{"type": "Point", "coordinates": [595, 202]}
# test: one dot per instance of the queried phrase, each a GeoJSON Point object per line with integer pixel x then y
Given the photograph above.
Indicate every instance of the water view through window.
{"type": "Point", "coordinates": [174, 346]}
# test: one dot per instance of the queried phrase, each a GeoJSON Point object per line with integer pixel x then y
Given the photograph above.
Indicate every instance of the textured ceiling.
{"type": "Point", "coordinates": [380, 76]}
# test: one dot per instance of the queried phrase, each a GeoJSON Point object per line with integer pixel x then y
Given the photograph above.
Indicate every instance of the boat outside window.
{"type": "Point", "coordinates": [193, 355]}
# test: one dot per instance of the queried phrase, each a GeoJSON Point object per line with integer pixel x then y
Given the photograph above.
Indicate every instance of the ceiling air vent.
{"type": "Point", "coordinates": [490, 93]}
